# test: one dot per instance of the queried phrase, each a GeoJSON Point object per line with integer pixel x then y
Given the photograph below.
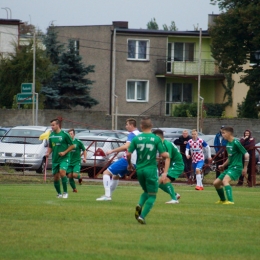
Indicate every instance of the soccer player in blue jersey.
{"type": "Point", "coordinates": [119, 168]}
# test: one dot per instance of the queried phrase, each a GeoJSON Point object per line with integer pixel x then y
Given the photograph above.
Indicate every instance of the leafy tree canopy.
{"type": "Point", "coordinates": [152, 25]}
{"type": "Point", "coordinates": [236, 37]}
{"type": "Point", "coordinates": [69, 87]}
{"type": "Point", "coordinates": [172, 27]}
{"type": "Point", "coordinates": [18, 69]}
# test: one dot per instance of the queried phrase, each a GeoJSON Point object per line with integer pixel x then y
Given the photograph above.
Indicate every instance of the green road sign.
{"type": "Point", "coordinates": [26, 88]}
{"type": "Point", "coordinates": [24, 98]}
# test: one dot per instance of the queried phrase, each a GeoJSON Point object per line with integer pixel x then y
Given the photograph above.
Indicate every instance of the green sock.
{"type": "Point", "coordinates": [228, 190]}
{"type": "Point", "coordinates": [221, 194]}
{"type": "Point", "coordinates": [148, 205]}
{"type": "Point", "coordinates": [57, 186]}
{"type": "Point", "coordinates": [72, 183]}
{"type": "Point", "coordinates": [143, 199]}
{"type": "Point", "coordinates": [64, 183]}
{"type": "Point", "coordinates": [168, 188]}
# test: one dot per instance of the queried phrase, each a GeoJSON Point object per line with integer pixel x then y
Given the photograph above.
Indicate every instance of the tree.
{"type": "Point", "coordinates": [18, 69]}
{"type": "Point", "coordinates": [172, 27]}
{"type": "Point", "coordinates": [53, 46]}
{"type": "Point", "coordinates": [236, 35]}
{"type": "Point", "coordinates": [152, 25]}
{"type": "Point", "coordinates": [69, 87]}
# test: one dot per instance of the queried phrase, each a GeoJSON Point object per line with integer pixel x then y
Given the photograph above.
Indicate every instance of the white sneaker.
{"type": "Point", "coordinates": [103, 198]}
{"type": "Point", "coordinates": [59, 196]}
{"type": "Point", "coordinates": [178, 196]}
{"type": "Point", "coordinates": [65, 195]}
{"type": "Point", "coordinates": [172, 202]}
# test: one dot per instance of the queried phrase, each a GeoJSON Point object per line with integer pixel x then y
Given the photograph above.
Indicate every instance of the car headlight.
{"type": "Point", "coordinates": [30, 155]}
{"type": "Point", "coordinates": [2, 154]}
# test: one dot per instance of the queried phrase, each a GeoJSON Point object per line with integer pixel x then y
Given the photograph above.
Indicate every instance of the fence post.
{"type": "Point", "coordinates": [252, 183]}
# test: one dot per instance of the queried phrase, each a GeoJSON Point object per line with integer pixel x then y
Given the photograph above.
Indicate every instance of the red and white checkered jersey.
{"type": "Point", "coordinates": [196, 148]}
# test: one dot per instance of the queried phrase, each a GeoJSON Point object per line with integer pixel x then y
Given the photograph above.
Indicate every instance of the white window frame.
{"type": "Point", "coordinates": [137, 49]}
{"type": "Point", "coordinates": [136, 98]}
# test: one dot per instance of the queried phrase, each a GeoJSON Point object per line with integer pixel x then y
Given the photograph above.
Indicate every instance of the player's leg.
{"type": "Point", "coordinates": [75, 174]}
{"type": "Point", "coordinates": [63, 169]}
{"type": "Point", "coordinates": [199, 166]}
{"type": "Point", "coordinates": [56, 179]}
{"type": "Point", "coordinates": [151, 180]}
{"type": "Point", "coordinates": [218, 184]}
{"type": "Point", "coordinates": [114, 183]}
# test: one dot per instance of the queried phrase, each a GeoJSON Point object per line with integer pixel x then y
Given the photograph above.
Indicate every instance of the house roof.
{"type": "Point", "coordinates": [10, 21]}
{"type": "Point", "coordinates": [205, 33]}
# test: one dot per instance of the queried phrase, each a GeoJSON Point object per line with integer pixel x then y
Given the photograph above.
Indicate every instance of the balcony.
{"type": "Point", "coordinates": [208, 69]}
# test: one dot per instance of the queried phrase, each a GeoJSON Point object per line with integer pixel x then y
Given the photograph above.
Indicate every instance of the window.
{"type": "Point", "coordinates": [138, 49]}
{"type": "Point", "coordinates": [180, 51]}
{"type": "Point", "coordinates": [255, 58]}
{"type": "Point", "coordinates": [179, 92]}
{"type": "Point", "coordinates": [136, 90]}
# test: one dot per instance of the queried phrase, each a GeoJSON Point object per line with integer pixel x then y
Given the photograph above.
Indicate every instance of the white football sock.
{"type": "Point", "coordinates": [198, 179]}
{"type": "Point", "coordinates": [106, 183]}
{"type": "Point", "coordinates": [114, 184]}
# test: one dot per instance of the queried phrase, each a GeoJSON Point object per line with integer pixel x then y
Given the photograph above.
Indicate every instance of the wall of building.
{"type": "Point", "coordinates": [99, 120]}
{"type": "Point", "coordinates": [8, 39]}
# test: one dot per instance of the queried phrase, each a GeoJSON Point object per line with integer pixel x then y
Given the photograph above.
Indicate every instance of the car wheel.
{"type": "Point", "coordinates": [42, 167]}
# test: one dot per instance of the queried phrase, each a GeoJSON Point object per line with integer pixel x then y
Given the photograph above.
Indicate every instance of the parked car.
{"type": "Point", "coordinates": [122, 135]}
{"type": "Point", "coordinates": [97, 146]}
{"type": "Point", "coordinates": [21, 148]}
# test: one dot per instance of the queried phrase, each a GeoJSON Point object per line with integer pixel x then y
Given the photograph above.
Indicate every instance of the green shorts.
{"type": "Point", "coordinates": [63, 165]}
{"type": "Point", "coordinates": [176, 171]}
{"type": "Point", "coordinates": [233, 173]}
{"type": "Point", "coordinates": [74, 168]}
{"type": "Point", "coordinates": [148, 179]}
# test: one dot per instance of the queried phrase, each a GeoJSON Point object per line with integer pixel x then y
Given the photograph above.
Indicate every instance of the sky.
{"type": "Point", "coordinates": [185, 13]}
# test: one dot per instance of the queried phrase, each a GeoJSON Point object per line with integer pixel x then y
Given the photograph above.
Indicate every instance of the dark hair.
{"type": "Point", "coordinates": [158, 132]}
{"type": "Point", "coordinates": [56, 120]}
{"type": "Point", "coordinates": [228, 129]}
{"type": "Point", "coordinates": [71, 130]}
{"type": "Point", "coordinates": [131, 121]}
{"type": "Point", "coordinates": [146, 122]}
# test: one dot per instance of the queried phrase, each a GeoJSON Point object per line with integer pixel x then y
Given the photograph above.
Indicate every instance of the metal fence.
{"type": "Point", "coordinates": [28, 155]}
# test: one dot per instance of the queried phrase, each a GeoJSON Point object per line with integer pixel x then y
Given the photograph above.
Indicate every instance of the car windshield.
{"type": "Point", "coordinates": [23, 136]}
{"type": "Point", "coordinates": [2, 132]}
{"type": "Point", "coordinates": [93, 143]}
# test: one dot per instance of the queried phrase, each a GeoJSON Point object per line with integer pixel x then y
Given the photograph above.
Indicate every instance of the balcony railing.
{"type": "Point", "coordinates": [188, 68]}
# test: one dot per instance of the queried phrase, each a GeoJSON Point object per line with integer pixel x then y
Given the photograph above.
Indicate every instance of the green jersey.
{"type": "Point", "coordinates": [75, 157]}
{"type": "Point", "coordinates": [59, 142]}
{"type": "Point", "coordinates": [235, 152]}
{"type": "Point", "coordinates": [146, 146]}
{"type": "Point", "coordinates": [174, 153]}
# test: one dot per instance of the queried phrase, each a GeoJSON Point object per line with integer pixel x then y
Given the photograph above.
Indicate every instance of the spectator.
{"type": "Point", "coordinates": [182, 141]}
{"type": "Point", "coordinates": [221, 154]}
{"type": "Point", "coordinates": [248, 142]}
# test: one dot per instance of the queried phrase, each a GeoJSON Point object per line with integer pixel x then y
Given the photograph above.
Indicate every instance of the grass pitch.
{"type": "Point", "coordinates": [34, 224]}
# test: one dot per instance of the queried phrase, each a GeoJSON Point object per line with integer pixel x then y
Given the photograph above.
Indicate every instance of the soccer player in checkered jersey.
{"type": "Point", "coordinates": [195, 145]}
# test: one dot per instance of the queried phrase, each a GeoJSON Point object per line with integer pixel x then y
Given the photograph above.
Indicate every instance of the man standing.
{"type": "Point", "coordinates": [73, 170]}
{"type": "Point", "coordinates": [236, 152]}
{"type": "Point", "coordinates": [182, 141]}
{"type": "Point", "coordinates": [195, 145]}
{"type": "Point", "coordinates": [119, 168]}
{"type": "Point", "coordinates": [173, 167]}
{"type": "Point", "coordinates": [219, 145]}
{"type": "Point", "coordinates": [146, 146]}
{"type": "Point", "coordinates": [60, 144]}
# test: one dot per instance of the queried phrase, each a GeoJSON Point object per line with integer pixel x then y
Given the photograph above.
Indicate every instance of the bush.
{"type": "Point", "coordinates": [190, 110]}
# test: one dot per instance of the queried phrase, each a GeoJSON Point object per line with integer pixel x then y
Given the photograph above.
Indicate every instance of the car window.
{"type": "Point", "coordinates": [93, 143]}
{"type": "Point", "coordinates": [2, 132]}
{"type": "Point", "coordinates": [23, 136]}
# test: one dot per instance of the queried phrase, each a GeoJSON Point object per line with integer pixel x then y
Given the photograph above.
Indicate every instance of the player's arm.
{"type": "Point", "coordinates": [124, 147]}
{"type": "Point", "coordinates": [71, 147]}
{"type": "Point", "coordinates": [187, 151]}
{"type": "Point", "coordinates": [246, 160]}
{"type": "Point", "coordinates": [223, 166]}
{"type": "Point", "coordinates": [84, 156]}
{"type": "Point", "coordinates": [49, 151]}
{"type": "Point", "coordinates": [130, 166]}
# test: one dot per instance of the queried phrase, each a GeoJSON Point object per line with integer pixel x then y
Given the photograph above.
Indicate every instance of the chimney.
{"type": "Point", "coordinates": [211, 19]}
{"type": "Point", "coordinates": [120, 24]}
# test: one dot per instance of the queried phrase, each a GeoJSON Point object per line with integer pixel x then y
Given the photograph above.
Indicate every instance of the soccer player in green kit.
{"type": "Point", "coordinates": [173, 168]}
{"type": "Point", "coordinates": [146, 145]}
{"type": "Point", "coordinates": [60, 144]}
{"type": "Point", "coordinates": [73, 170]}
{"type": "Point", "coordinates": [235, 152]}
